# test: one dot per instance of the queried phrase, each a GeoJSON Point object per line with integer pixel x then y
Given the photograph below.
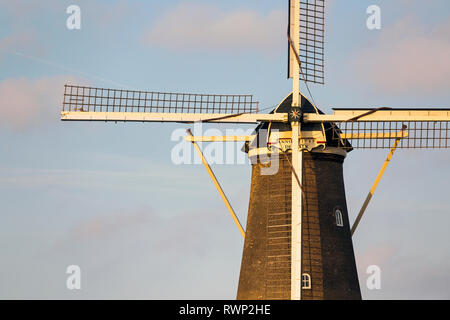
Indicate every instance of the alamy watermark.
{"type": "Point", "coordinates": [374, 20]}
{"type": "Point", "coordinates": [220, 152]}
{"type": "Point", "coordinates": [73, 22]}
{"type": "Point", "coordinates": [373, 281]}
{"type": "Point", "coordinates": [73, 281]}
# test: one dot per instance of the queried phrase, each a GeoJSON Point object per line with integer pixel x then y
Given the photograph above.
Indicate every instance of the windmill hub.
{"type": "Point", "coordinates": [295, 115]}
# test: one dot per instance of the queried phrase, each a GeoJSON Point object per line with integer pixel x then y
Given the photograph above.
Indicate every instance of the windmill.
{"type": "Point", "coordinates": [298, 238]}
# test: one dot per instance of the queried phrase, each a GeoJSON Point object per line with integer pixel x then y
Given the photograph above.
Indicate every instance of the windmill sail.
{"type": "Point", "coordinates": [88, 99]}
{"type": "Point", "coordinates": [99, 104]}
{"type": "Point", "coordinates": [311, 49]}
{"type": "Point", "coordinates": [379, 128]}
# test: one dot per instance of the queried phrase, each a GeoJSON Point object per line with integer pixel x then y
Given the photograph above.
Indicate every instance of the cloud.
{"type": "Point", "coordinates": [181, 234]}
{"type": "Point", "coordinates": [26, 103]}
{"type": "Point", "coordinates": [19, 41]}
{"type": "Point", "coordinates": [199, 27]}
{"type": "Point", "coordinates": [406, 57]}
{"type": "Point", "coordinates": [376, 255]}
{"type": "Point", "coordinates": [112, 179]}
{"type": "Point", "coordinates": [24, 7]}
{"type": "Point", "coordinates": [101, 226]}
{"type": "Point", "coordinates": [109, 14]}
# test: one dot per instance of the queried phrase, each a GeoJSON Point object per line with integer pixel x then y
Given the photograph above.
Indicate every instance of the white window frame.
{"type": "Point", "coordinates": [338, 217]}
{"type": "Point", "coordinates": [306, 281]}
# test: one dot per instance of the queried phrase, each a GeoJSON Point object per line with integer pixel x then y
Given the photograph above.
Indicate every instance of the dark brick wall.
{"type": "Point", "coordinates": [265, 271]}
{"type": "Point", "coordinates": [327, 250]}
{"type": "Point", "coordinates": [340, 278]}
{"type": "Point", "coordinates": [311, 232]}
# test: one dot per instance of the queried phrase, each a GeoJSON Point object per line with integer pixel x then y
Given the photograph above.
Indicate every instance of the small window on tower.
{"type": "Point", "coordinates": [339, 221]}
{"type": "Point", "coordinates": [306, 281]}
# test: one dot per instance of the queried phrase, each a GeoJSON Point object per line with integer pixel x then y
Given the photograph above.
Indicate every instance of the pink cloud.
{"type": "Point", "coordinates": [184, 232]}
{"type": "Point", "coordinates": [109, 14]}
{"type": "Point", "coordinates": [26, 103]}
{"type": "Point", "coordinates": [17, 42]}
{"type": "Point", "coordinates": [20, 41]}
{"type": "Point", "coordinates": [376, 255]}
{"type": "Point", "coordinates": [200, 27]}
{"type": "Point", "coordinates": [406, 57]}
{"type": "Point", "coordinates": [107, 225]}
{"type": "Point", "coordinates": [24, 7]}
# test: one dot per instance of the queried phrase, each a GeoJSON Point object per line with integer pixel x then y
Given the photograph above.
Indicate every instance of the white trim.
{"type": "Point", "coordinates": [266, 152]}
{"type": "Point", "coordinates": [219, 138]}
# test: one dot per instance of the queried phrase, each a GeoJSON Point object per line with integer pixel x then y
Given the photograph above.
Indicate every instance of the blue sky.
{"type": "Point", "coordinates": [107, 196]}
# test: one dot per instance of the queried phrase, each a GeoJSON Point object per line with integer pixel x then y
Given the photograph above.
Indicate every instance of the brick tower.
{"type": "Point", "coordinates": [327, 258]}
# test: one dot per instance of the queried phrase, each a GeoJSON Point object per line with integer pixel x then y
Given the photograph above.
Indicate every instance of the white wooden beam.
{"type": "Point", "coordinates": [297, 158]}
{"type": "Point", "coordinates": [296, 219]}
{"type": "Point", "coordinates": [399, 115]}
{"type": "Point", "coordinates": [294, 50]}
{"type": "Point", "coordinates": [374, 135]}
{"type": "Point", "coordinates": [172, 117]}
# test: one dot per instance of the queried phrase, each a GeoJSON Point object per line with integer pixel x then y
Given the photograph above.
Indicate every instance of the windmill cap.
{"type": "Point", "coordinates": [306, 107]}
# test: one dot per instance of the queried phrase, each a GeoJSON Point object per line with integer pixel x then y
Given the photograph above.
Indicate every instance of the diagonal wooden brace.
{"type": "Point", "coordinates": [375, 184]}
{"type": "Point", "coordinates": [217, 185]}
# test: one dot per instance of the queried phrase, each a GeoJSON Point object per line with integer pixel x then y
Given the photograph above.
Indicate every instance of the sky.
{"type": "Point", "coordinates": [108, 197]}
